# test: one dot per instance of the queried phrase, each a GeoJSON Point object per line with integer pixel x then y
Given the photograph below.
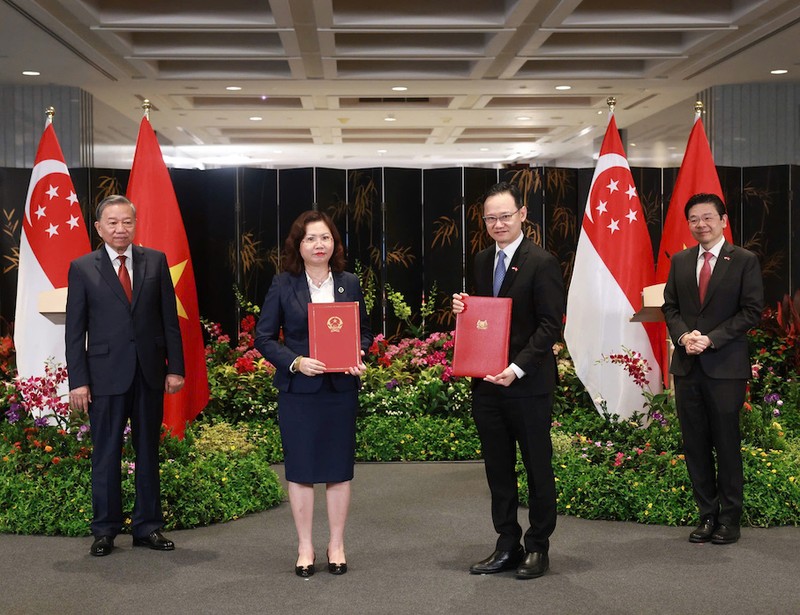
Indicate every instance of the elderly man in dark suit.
{"type": "Point", "coordinates": [123, 347]}
{"type": "Point", "coordinates": [714, 295]}
{"type": "Point", "coordinates": [515, 406]}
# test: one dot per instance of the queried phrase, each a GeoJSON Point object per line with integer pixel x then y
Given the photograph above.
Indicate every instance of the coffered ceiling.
{"type": "Point", "coordinates": [487, 82]}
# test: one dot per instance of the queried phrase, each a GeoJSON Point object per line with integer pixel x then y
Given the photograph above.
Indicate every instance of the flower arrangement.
{"type": "Point", "coordinates": [412, 408]}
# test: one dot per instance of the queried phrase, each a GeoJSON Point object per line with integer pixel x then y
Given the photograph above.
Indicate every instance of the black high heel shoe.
{"type": "Point", "coordinates": [334, 568]}
{"type": "Point", "coordinates": [306, 571]}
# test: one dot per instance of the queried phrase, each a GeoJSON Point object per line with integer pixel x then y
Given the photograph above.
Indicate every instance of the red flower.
{"type": "Point", "coordinates": [244, 365]}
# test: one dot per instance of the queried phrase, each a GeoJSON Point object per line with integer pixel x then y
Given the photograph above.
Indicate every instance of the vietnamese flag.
{"type": "Point", "coordinates": [613, 263]}
{"type": "Point", "coordinates": [697, 174]}
{"type": "Point", "coordinates": [159, 226]}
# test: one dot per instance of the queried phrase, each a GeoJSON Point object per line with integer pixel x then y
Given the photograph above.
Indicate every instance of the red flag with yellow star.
{"type": "Point", "coordinates": [159, 225]}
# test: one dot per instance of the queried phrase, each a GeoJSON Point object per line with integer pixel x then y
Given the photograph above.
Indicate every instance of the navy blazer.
{"type": "Point", "coordinates": [286, 308]}
{"type": "Point", "coordinates": [732, 306]}
{"type": "Point", "coordinates": [106, 336]}
{"type": "Point", "coordinates": [534, 283]}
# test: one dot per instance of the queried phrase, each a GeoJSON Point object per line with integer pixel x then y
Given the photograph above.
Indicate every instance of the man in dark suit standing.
{"type": "Point", "coordinates": [714, 295]}
{"type": "Point", "coordinates": [123, 347]}
{"type": "Point", "coordinates": [515, 406]}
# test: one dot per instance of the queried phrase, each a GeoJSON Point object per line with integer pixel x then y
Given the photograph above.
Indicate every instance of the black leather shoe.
{"type": "Point", "coordinates": [498, 562]}
{"type": "Point", "coordinates": [305, 571]}
{"type": "Point", "coordinates": [337, 569]}
{"type": "Point", "coordinates": [102, 545]}
{"type": "Point", "coordinates": [534, 565]}
{"type": "Point", "coordinates": [703, 532]}
{"type": "Point", "coordinates": [726, 534]}
{"type": "Point", "coordinates": [154, 540]}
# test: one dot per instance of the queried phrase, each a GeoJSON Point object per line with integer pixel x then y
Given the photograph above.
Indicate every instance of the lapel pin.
{"type": "Point", "coordinates": [514, 269]}
{"type": "Point", "coordinates": [341, 290]}
{"type": "Point", "coordinates": [727, 258]}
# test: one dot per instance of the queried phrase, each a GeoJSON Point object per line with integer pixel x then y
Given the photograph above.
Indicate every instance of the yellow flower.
{"type": "Point", "coordinates": [649, 505]}
{"type": "Point", "coordinates": [791, 479]}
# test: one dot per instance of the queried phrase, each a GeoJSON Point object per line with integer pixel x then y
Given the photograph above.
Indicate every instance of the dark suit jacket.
{"type": "Point", "coordinates": [106, 335]}
{"type": "Point", "coordinates": [733, 304]}
{"type": "Point", "coordinates": [534, 283]}
{"type": "Point", "coordinates": [286, 307]}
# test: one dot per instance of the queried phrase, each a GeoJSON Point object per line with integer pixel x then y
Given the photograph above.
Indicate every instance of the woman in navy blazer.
{"type": "Point", "coordinates": [316, 410]}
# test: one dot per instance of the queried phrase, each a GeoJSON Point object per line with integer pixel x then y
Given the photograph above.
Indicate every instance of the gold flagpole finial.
{"type": "Point", "coordinates": [698, 108]}
{"type": "Point", "coordinates": [50, 112]}
{"type": "Point", "coordinates": [611, 101]}
{"type": "Point", "coordinates": [147, 106]}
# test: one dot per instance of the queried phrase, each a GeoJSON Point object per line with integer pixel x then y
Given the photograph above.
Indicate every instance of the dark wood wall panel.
{"type": "Point", "coordinates": [444, 240]}
{"type": "Point", "coordinates": [409, 227]}
{"type": "Point", "coordinates": [766, 225]}
{"type": "Point", "coordinates": [365, 232]}
{"type": "Point", "coordinates": [207, 200]}
{"type": "Point", "coordinates": [402, 189]}
{"type": "Point", "coordinates": [258, 241]}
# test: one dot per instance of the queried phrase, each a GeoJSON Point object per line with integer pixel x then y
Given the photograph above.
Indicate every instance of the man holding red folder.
{"type": "Point", "coordinates": [515, 406]}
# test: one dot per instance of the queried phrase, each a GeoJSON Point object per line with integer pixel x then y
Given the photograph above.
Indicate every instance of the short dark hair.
{"type": "Point", "coordinates": [502, 188]}
{"type": "Point", "coordinates": [704, 197]}
{"type": "Point", "coordinates": [291, 259]}
{"type": "Point", "coordinates": [112, 199]}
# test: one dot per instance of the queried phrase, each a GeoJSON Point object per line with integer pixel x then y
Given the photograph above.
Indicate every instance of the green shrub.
{"type": "Point", "coordinates": [45, 478]}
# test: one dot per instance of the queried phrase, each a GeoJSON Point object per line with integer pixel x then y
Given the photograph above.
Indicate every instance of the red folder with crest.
{"type": "Point", "coordinates": [334, 334]}
{"type": "Point", "coordinates": [481, 337]}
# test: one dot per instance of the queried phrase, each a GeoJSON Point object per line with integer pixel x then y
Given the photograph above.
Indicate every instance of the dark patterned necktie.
{"type": "Point", "coordinates": [499, 273]}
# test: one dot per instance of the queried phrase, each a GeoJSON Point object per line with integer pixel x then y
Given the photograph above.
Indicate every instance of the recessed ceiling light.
{"type": "Point", "coordinates": [523, 118]}
{"type": "Point", "coordinates": [600, 112]}
{"type": "Point", "coordinates": [779, 71]}
{"type": "Point", "coordinates": [633, 144]}
{"type": "Point", "coordinates": [382, 151]}
{"type": "Point", "coordinates": [264, 97]}
{"type": "Point", "coordinates": [563, 87]}
{"type": "Point", "coordinates": [390, 118]}
{"type": "Point", "coordinates": [484, 149]}
{"type": "Point", "coordinates": [399, 88]}
{"type": "Point", "coordinates": [256, 118]}
{"type": "Point", "coordinates": [233, 88]}
{"type": "Point", "coordinates": [277, 151]}
{"type": "Point", "coordinates": [31, 73]}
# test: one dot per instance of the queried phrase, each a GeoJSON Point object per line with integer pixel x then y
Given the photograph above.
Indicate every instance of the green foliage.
{"type": "Point", "coordinates": [422, 438]}
{"type": "Point", "coordinates": [45, 478]}
{"type": "Point", "coordinates": [412, 409]}
{"type": "Point", "coordinates": [403, 311]}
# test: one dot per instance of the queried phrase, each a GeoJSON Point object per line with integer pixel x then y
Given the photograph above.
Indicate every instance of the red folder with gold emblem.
{"type": "Point", "coordinates": [334, 334]}
{"type": "Point", "coordinates": [481, 337]}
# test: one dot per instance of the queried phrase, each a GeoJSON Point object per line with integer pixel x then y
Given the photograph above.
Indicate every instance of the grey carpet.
{"type": "Point", "coordinates": [413, 531]}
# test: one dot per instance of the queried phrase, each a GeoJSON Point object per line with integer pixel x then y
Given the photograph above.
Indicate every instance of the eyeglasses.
{"type": "Point", "coordinates": [707, 219]}
{"type": "Point", "coordinates": [504, 218]}
{"type": "Point", "coordinates": [312, 239]}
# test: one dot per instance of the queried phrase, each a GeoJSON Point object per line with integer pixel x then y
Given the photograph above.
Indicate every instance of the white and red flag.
{"type": "Point", "coordinates": [697, 174]}
{"type": "Point", "coordinates": [53, 234]}
{"type": "Point", "coordinates": [613, 263]}
{"type": "Point", "coordinates": [159, 225]}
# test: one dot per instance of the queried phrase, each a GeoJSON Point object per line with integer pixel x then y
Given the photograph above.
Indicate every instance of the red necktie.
{"type": "Point", "coordinates": [705, 276]}
{"type": "Point", "coordinates": [125, 277]}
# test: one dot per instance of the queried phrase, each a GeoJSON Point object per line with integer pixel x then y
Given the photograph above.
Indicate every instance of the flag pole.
{"type": "Point", "coordinates": [50, 112]}
{"type": "Point", "coordinates": [146, 105]}
{"type": "Point", "coordinates": [698, 110]}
